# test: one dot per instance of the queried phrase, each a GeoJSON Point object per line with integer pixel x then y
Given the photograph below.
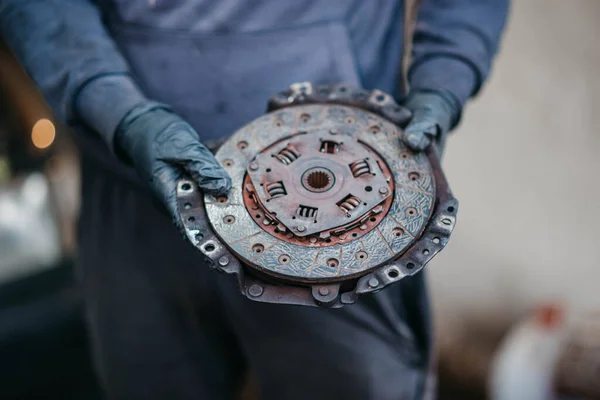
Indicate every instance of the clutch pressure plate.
{"type": "Point", "coordinates": [327, 203]}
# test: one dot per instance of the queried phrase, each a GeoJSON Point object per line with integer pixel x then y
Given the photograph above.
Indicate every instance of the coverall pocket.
{"type": "Point", "coordinates": [219, 82]}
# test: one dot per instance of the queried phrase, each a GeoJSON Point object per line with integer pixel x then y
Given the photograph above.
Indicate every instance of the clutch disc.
{"type": "Point", "coordinates": [326, 203]}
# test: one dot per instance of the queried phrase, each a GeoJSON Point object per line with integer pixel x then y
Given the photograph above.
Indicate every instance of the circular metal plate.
{"type": "Point", "coordinates": [312, 154]}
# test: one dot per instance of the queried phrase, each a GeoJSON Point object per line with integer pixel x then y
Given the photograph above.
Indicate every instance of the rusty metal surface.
{"type": "Point", "coordinates": [317, 180]}
{"type": "Point", "coordinates": [326, 203]}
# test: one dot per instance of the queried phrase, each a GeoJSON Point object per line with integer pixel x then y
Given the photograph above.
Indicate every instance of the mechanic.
{"type": "Point", "coordinates": [144, 83]}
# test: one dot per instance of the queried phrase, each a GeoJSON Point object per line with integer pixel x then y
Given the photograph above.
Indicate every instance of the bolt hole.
{"type": "Point", "coordinates": [374, 129]}
{"type": "Point", "coordinates": [186, 186]}
{"type": "Point", "coordinates": [187, 206]}
{"type": "Point", "coordinates": [222, 199]}
{"type": "Point", "coordinates": [447, 221]}
{"type": "Point", "coordinates": [209, 248]}
{"type": "Point", "coordinates": [361, 255]}
{"type": "Point", "coordinates": [305, 117]}
{"type": "Point", "coordinates": [451, 209]}
{"type": "Point", "coordinates": [258, 248]}
{"type": "Point", "coordinates": [229, 219]}
{"type": "Point", "coordinates": [284, 259]}
{"type": "Point", "coordinates": [199, 236]}
{"type": "Point", "coordinates": [410, 265]}
{"type": "Point", "coordinates": [380, 97]}
{"type": "Point", "coordinates": [350, 120]}
{"type": "Point", "coordinates": [268, 169]}
{"type": "Point", "coordinates": [191, 219]}
{"type": "Point", "coordinates": [258, 216]}
{"type": "Point", "coordinates": [278, 123]}
{"type": "Point", "coordinates": [413, 176]}
{"type": "Point", "coordinates": [333, 263]}
{"type": "Point", "coordinates": [372, 219]}
{"type": "Point", "coordinates": [393, 273]}
{"type": "Point", "coordinates": [368, 188]}
{"type": "Point", "coordinates": [242, 145]}
{"type": "Point", "coordinates": [411, 211]}
{"type": "Point", "coordinates": [228, 163]}
{"type": "Point", "coordinates": [354, 234]}
{"type": "Point", "coordinates": [404, 155]}
{"type": "Point", "coordinates": [398, 232]}
{"type": "Point", "coordinates": [294, 217]}
{"type": "Point", "coordinates": [425, 252]}
{"type": "Point", "coordinates": [327, 240]}
{"type": "Point", "coordinates": [436, 240]}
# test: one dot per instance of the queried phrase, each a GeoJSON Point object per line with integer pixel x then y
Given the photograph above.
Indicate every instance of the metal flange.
{"type": "Point", "coordinates": [327, 203]}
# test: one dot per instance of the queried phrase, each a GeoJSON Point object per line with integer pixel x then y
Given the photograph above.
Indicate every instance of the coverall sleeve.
{"type": "Point", "coordinates": [454, 44]}
{"type": "Point", "coordinates": [64, 45]}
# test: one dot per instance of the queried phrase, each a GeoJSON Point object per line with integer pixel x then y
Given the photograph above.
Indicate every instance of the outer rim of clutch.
{"type": "Point", "coordinates": [263, 288]}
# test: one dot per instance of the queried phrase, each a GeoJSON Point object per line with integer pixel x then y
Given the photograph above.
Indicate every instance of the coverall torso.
{"type": "Point", "coordinates": [164, 326]}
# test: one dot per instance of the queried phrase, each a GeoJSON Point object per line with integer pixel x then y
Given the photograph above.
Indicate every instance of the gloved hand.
{"type": "Point", "coordinates": [163, 147]}
{"type": "Point", "coordinates": [434, 114]}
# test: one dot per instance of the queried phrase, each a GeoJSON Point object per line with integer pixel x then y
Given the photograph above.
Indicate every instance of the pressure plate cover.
{"type": "Point", "coordinates": [326, 203]}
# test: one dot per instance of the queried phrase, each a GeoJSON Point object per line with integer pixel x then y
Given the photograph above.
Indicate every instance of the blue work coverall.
{"type": "Point", "coordinates": [164, 326]}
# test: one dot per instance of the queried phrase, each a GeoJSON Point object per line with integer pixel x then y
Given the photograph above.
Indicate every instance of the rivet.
{"type": "Point", "coordinates": [301, 228]}
{"type": "Point", "coordinates": [383, 190]}
{"type": "Point", "coordinates": [253, 166]}
{"type": "Point", "coordinates": [255, 290]}
{"type": "Point", "coordinates": [313, 239]}
{"type": "Point", "coordinates": [323, 291]}
{"type": "Point", "coordinates": [373, 282]}
{"type": "Point", "coordinates": [334, 131]}
{"type": "Point", "coordinates": [223, 261]}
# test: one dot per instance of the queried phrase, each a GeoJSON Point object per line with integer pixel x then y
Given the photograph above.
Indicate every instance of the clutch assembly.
{"type": "Point", "coordinates": [326, 203]}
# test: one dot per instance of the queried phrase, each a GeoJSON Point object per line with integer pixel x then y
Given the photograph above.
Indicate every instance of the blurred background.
{"type": "Point", "coordinates": [516, 295]}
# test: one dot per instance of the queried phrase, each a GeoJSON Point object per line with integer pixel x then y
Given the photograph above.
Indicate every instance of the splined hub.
{"type": "Point", "coordinates": [325, 199]}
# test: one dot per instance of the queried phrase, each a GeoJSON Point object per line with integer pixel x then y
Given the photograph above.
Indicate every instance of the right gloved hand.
{"type": "Point", "coordinates": [162, 147]}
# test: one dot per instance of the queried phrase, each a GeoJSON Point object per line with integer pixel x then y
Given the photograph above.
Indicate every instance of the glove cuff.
{"type": "Point", "coordinates": [104, 101]}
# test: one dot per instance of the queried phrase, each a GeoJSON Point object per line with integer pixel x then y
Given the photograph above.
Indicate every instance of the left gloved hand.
{"type": "Point", "coordinates": [435, 113]}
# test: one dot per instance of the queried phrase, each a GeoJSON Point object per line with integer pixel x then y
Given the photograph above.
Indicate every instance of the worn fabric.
{"type": "Point", "coordinates": [164, 326]}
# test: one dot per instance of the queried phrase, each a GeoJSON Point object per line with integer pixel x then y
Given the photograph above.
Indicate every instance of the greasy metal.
{"type": "Point", "coordinates": [310, 159]}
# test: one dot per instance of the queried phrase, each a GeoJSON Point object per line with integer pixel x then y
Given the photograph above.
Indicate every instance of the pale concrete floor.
{"type": "Point", "coordinates": [525, 167]}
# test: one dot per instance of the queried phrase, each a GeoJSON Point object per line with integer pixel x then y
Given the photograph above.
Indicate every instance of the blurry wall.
{"type": "Point", "coordinates": [525, 167]}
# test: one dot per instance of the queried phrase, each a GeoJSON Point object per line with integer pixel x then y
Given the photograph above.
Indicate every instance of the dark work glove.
{"type": "Point", "coordinates": [163, 148]}
{"type": "Point", "coordinates": [434, 114]}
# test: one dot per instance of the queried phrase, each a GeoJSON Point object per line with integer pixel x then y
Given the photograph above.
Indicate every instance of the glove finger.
{"type": "Point", "coordinates": [204, 168]}
{"type": "Point", "coordinates": [210, 178]}
{"type": "Point", "coordinates": [418, 134]}
{"type": "Point", "coordinates": [164, 184]}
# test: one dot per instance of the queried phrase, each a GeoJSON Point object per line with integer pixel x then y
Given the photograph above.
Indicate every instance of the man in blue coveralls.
{"type": "Point", "coordinates": [144, 83]}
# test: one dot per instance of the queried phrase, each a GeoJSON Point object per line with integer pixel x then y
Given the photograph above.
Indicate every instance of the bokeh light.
{"type": "Point", "coordinates": [43, 133]}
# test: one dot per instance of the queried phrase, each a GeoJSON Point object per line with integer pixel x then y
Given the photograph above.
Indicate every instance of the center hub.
{"type": "Point", "coordinates": [319, 184]}
{"type": "Point", "coordinates": [318, 179]}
